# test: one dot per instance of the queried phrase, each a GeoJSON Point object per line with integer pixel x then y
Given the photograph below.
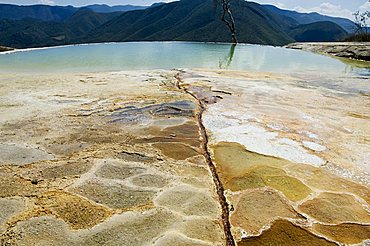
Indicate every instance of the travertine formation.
{"type": "Point", "coordinates": [352, 50]}
{"type": "Point", "coordinates": [155, 158]}
{"type": "Point", "coordinates": [111, 159]}
{"type": "Point", "coordinates": [292, 154]}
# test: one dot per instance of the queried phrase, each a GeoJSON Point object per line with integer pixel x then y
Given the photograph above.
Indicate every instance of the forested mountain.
{"type": "Point", "coordinates": [36, 33]}
{"type": "Point", "coordinates": [308, 18]}
{"type": "Point", "coordinates": [322, 31]}
{"type": "Point", "coordinates": [185, 20]}
{"type": "Point", "coordinates": [39, 12]}
{"type": "Point", "coordinates": [196, 20]}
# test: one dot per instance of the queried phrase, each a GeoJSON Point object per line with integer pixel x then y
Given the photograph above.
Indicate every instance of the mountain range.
{"type": "Point", "coordinates": [184, 20]}
{"type": "Point", "coordinates": [309, 18]}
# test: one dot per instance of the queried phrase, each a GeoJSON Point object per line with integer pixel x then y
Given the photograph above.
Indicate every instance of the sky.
{"type": "Point", "coordinates": [341, 8]}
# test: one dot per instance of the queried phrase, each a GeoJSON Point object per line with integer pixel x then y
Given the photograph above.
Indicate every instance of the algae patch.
{"type": "Point", "coordinates": [240, 169]}
{"type": "Point", "coordinates": [256, 208]}
{"type": "Point", "coordinates": [177, 151]}
{"type": "Point", "coordinates": [77, 212]}
{"type": "Point", "coordinates": [283, 232]}
{"type": "Point", "coordinates": [335, 208]}
{"type": "Point", "coordinates": [345, 233]}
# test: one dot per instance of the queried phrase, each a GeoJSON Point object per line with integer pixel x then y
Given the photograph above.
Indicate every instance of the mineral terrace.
{"type": "Point", "coordinates": [351, 50]}
{"type": "Point", "coordinates": [188, 157]}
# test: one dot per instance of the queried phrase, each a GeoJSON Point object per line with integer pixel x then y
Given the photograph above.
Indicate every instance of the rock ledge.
{"type": "Point", "coordinates": [359, 51]}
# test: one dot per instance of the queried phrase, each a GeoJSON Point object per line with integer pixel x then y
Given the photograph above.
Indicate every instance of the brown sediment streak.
{"type": "Point", "coordinates": [220, 189]}
{"type": "Point", "coordinates": [223, 92]}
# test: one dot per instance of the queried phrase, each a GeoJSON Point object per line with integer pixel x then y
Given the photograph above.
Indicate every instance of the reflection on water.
{"type": "Point", "coordinates": [226, 62]}
{"type": "Point", "coordinates": [360, 71]}
{"type": "Point", "coordinates": [361, 68]}
{"type": "Point", "coordinates": [168, 55]}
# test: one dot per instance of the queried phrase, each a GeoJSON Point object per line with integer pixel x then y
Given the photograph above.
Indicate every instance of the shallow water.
{"type": "Point", "coordinates": [168, 55]}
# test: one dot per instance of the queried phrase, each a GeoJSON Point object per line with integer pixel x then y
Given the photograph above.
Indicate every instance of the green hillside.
{"type": "Point", "coordinates": [318, 32]}
{"type": "Point", "coordinates": [29, 33]}
{"type": "Point", "coordinates": [86, 20]}
{"type": "Point", "coordinates": [195, 20]}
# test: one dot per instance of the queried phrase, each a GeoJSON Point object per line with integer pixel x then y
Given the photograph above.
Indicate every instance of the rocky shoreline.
{"type": "Point", "coordinates": [3, 49]}
{"type": "Point", "coordinates": [350, 50]}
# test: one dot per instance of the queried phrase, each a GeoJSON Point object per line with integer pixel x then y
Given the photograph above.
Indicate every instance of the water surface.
{"type": "Point", "coordinates": [168, 55]}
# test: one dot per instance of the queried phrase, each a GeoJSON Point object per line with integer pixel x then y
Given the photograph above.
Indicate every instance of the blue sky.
{"type": "Point", "coordinates": [343, 8]}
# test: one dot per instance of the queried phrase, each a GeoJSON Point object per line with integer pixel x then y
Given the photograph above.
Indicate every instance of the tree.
{"type": "Point", "coordinates": [228, 18]}
{"type": "Point", "coordinates": [361, 21]}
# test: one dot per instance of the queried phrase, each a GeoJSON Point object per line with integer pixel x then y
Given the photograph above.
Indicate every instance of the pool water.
{"type": "Point", "coordinates": [168, 55]}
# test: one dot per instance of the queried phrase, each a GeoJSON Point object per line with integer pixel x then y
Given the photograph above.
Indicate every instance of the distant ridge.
{"type": "Point", "coordinates": [308, 18]}
{"type": "Point", "coordinates": [56, 13]}
{"type": "Point", "coordinates": [103, 8]}
{"type": "Point", "coordinates": [39, 12]}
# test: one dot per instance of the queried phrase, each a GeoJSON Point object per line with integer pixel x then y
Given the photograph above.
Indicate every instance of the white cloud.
{"type": "Point", "coordinates": [365, 7]}
{"type": "Point", "coordinates": [328, 9]}
{"type": "Point", "coordinates": [47, 2]}
{"type": "Point", "coordinates": [280, 5]}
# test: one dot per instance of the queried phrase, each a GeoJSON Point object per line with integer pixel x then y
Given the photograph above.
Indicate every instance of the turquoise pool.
{"type": "Point", "coordinates": [168, 55]}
